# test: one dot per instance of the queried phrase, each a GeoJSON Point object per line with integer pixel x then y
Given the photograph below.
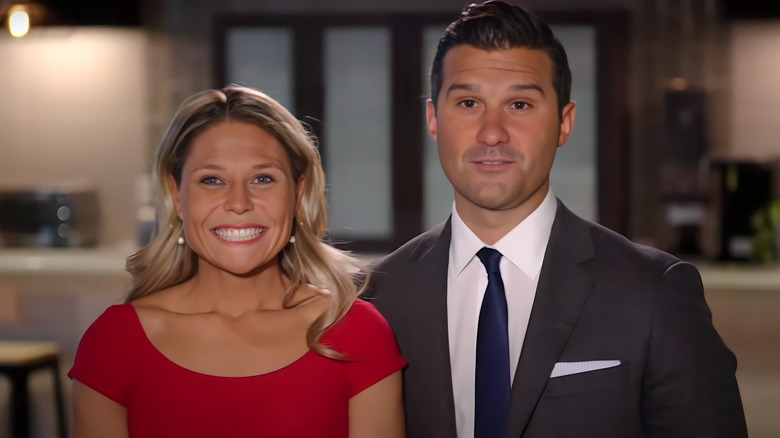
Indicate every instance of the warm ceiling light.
{"type": "Point", "coordinates": [18, 21]}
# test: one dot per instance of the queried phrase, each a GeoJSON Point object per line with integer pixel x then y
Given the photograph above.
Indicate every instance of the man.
{"type": "Point", "coordinates": [518, 318]}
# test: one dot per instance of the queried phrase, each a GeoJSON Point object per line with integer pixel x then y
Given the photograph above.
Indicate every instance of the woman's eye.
{"type": "Point", "coordinates": [264, 179]}
{"type": "Point", "coordinates": [211, 180]}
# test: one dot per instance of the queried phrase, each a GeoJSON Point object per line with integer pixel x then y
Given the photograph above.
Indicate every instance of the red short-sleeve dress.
{"type": "Point", "coordinates": [307, 398]}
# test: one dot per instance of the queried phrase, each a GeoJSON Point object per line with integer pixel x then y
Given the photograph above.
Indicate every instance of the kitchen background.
{"type": "Point", "coordinates": [87, 93]}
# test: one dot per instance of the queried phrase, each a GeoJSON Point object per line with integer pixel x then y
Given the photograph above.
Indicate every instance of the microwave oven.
{"type": "Point", "coordinates": [49, 217]}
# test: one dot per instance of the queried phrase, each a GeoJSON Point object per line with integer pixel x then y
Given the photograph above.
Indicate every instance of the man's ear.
{"type": "Point", "coordinates": [567, 123]}
{"type": "Point", "coordinates": [175, 195]}
{"type": "Point", "coordinates": [430, 113]}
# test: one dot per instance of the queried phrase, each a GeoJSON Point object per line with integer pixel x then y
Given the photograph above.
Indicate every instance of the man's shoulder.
{"type": "Point", "coordinates": [416, 248]}
{"type": "Point", "coordinates": [621, 252]}
{"type": "Point", "coordinates": [643, 252]}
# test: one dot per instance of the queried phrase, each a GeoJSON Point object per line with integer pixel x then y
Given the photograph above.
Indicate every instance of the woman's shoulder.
{"type": "Point", "coordinates": [155, 308]}
{"type": "Point", "coordinates": [361, 313]}
{"type": "Point", "coordinates": [118, 321]}
{"type": "Point", "coordinates": [367, 345]}
{"type": "Point", "coordinates": [160, 299]}
{"type": "Point", "coordinates": [112, 334]}
{"type": "Point", "coordinates": [114, 317]}
{"type": "Point", "coordinates": [363, 309]}
{"type": "Point", "coordinates": [361, 321]}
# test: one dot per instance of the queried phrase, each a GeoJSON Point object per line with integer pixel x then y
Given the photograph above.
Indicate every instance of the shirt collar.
{"type": "Point", "coordinates": [524, 246]}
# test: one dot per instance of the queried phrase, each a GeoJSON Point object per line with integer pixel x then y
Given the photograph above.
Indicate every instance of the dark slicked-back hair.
{"type": "Point", "coordinates": [496, 25]}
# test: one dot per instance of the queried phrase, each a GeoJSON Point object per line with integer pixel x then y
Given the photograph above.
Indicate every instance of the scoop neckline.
{"type": "Point", "coordinates": [149, 344]}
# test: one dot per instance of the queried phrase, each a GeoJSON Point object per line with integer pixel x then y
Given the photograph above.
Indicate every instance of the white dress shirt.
{"type": "Point", "coordinates": [523, 251]}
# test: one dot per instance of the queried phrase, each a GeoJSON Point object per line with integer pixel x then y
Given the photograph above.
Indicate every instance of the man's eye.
{"type": "Point", "coordinates": [469, 103]}
{"type": "Point", "coordinates": [520, 105]}
{"type": "Point", "coordinates": [211, 180]}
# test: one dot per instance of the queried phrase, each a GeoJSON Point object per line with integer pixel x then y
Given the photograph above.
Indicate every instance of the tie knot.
{"type": "Point", "coordinates": [491, 259]}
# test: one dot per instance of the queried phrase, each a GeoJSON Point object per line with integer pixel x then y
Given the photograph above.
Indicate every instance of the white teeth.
{"type": "Point", "coordinates": [238, 234]}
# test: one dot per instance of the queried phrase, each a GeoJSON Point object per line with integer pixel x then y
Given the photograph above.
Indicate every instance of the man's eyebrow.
{"type": "Point", "coordinates": [461, 86]}
{"type": "Point", "coordinates": [473, 87]}
{"type": "Point", "coordinates": [524, 87]}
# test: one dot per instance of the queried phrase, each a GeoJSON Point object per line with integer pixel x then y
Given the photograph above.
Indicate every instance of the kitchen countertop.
{"type": "Point", "coordinates": [111, 261]}
{"type": "Point", "coordinates": [740, 276]}
{"type": "Point", "coordinates": [72, 261]}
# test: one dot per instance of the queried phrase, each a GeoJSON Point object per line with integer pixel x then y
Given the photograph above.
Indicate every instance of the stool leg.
{"type": "Point", "coordinates": [20, 414]}
{"type": "Point", "coordinates": [59, 401]}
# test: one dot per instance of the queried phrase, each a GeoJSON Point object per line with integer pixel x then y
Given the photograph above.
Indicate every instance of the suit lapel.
{"type": "Point", "coordinates": [428, 310]}
{"type": "Point", "coordinates": [561, 293]}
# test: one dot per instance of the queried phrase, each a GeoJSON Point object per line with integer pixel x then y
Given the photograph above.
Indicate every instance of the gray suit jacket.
{"type": "Point", "coordinates": [600, 297]}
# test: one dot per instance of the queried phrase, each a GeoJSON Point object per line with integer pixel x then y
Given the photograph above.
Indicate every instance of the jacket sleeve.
{"type": "Point", "coordinates": [689, 388]}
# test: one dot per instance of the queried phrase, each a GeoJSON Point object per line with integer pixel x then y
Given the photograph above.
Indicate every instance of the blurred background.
{"type": "Point", "coordinates": [674, 145]}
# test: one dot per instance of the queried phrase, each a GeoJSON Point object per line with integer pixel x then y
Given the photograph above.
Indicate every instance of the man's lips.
{"type": "Point", "coordinates": [492, 161]}
{"type": "Point", "coordinates": [492, 165]}
{"type": "Point", "coordinates": [494, 155]}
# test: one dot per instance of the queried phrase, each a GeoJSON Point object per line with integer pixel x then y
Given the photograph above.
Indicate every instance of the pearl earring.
{"type": "Point", "coordinates": [292, 239]}
{"type": "Point", "coordinates": [180, 240]}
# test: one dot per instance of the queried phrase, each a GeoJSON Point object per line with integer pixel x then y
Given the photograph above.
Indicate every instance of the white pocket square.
{"type": "Point", "coordinates": [567, 368]}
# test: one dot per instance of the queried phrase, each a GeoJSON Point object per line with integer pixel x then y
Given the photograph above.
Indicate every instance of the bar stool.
{"type": "Point", "coordinates": [17, 360]}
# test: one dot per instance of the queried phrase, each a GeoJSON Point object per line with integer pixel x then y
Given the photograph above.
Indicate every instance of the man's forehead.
{"type": "Point", "coordinates": [466, 61]}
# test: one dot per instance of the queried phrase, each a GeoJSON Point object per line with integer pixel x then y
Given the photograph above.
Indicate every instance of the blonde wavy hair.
{"type": "Point", "coordinates": [310, 260]}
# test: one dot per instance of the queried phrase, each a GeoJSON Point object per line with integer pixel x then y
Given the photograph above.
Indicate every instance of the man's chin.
{"type": "Point", "coordinates": [493, 199]}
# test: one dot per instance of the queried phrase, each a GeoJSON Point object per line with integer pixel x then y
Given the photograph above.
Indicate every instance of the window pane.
{"type": "Point", "coordinates": [574, 175]}
{"type": "Point", "coordinates": [438, 195]}
{"type": "Point", "coordinates": [357, 131]}
{"type": "Point", "coordinates": [261, 58]}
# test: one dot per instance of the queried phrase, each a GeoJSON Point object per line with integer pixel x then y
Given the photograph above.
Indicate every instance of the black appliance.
{"type": "Point", "coordinates": [738, 189]}
{"type": "Point", "coordinates": [49, 217]}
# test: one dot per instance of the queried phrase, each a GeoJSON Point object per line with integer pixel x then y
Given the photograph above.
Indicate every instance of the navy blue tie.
{"type": "Point", "coordinates": [492, 375]}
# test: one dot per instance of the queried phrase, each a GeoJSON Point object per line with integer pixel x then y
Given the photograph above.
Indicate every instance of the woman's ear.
{"type": "Point", "coordinates": [175, 195]}
{"type": "Point", "coordinates": [300, 189]}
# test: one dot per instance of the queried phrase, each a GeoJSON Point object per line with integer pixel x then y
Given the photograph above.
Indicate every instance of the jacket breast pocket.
{"type": "Point", "coordinates": [586, 382]}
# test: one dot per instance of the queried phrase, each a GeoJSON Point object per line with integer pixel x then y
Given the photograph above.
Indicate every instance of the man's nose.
{"type": "Point", "coordinates": [493, 130]}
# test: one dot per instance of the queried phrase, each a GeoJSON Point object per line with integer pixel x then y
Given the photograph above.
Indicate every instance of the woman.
{"type": "Point", "coordinates": [241, 321]}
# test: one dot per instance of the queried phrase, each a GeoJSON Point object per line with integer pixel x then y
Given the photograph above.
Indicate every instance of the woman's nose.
{"type": "Point", "coordinates": [238, 199]}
